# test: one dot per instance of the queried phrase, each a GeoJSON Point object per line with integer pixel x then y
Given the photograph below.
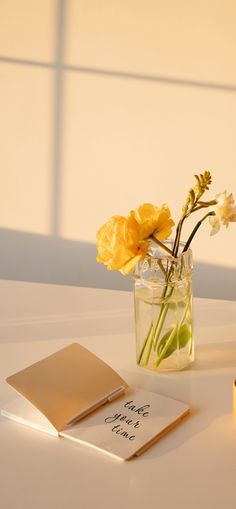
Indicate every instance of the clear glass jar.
{"type": "Point", "coordinates": [163, 310]}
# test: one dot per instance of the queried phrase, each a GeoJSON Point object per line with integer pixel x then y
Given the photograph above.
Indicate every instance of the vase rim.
{"type": "Point", "coordinates": [161, 254]}
{"type": "Point", "coordinates": [181, 266]}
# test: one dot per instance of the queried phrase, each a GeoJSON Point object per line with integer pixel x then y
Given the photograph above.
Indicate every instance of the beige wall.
{"type": "Point", "coordinates": [104, 105]}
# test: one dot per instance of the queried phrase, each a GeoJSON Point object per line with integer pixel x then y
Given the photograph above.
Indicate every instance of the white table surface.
{"type": "Point", "coordinates": [194, 466]}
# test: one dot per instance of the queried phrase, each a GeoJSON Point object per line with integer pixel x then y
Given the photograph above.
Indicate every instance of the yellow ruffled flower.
{"type": "Point", "coordinates": [225, 212]}
{"type": "Point", "coordinates": [153, 221]}
{"type": "Point", "coordinates": [119, 244]}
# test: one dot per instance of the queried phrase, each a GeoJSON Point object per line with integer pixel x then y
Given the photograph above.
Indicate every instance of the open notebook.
{"type": "Point", "coordinates": [75, 395]}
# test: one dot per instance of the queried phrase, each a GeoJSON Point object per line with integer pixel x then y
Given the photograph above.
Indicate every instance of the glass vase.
{"type": "Point", "coordinates": [163, 310]}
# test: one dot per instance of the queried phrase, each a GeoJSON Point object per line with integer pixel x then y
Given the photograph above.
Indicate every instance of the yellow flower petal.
{"type": "Point", "coordinates": [131, 264]}
{"type": "Point", "coordinates": [119, 244]}
{"type": "Point", "coordinates": [153, 220]}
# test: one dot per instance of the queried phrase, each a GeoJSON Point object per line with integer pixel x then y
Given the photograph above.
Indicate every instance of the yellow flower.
{"type": "Point", "coordinates": [119, 244]}
{"type": "Point", "coordinates": [225, 212]}
{"type": "Point", "coordinates": [153, 221]}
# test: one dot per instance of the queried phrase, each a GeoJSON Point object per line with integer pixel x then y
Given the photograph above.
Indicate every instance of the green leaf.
{"type": "Point", "coordinates": [180, 340]}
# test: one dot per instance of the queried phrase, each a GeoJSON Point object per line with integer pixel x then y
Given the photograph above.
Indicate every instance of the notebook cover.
{"type": "Point", "coordinates": [68, 384]}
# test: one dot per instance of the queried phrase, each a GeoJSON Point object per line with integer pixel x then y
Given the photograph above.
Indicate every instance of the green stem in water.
{"type": "Point", "coordinates": [212, 213]}
{"type": "Point", "coordinates": [149, 349]}
{"type": "Point", "coordinates": [163, 310]}
{"type": "Point", "coordinates": [162, 355]}
{"type": "Point", "coordinates": [172, 334]}
{"type": "Point", "coordinates": [145, 343]}
{"type": "Point", "coordinates": [160, 322]}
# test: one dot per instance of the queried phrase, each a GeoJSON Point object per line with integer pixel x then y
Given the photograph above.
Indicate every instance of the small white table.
{"type": "Point", "coordinates": [194, 466]}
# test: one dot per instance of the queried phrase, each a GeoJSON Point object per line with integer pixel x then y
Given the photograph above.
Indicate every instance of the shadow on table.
{"type": "Point", "coordinates": [215, 356]}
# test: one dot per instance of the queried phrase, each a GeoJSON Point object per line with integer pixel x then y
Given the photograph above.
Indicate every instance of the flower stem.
{"type": "Point", "coordinates": [177, 237]}
{"type": "Point", "coordinates": [212, 213]}
{"type": "Point", "coordinates": [172, 335]}
{"type": "Point", "coordinates": [145, 344]}
{"type": "Point", "coordinates": [162, 355]}
{"type": "Point", "coordinates": [162, 246]}
{"type": "Point", "coordinates": [148, 353]}
{"type": "Point", "coordinates": [160, 323]}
